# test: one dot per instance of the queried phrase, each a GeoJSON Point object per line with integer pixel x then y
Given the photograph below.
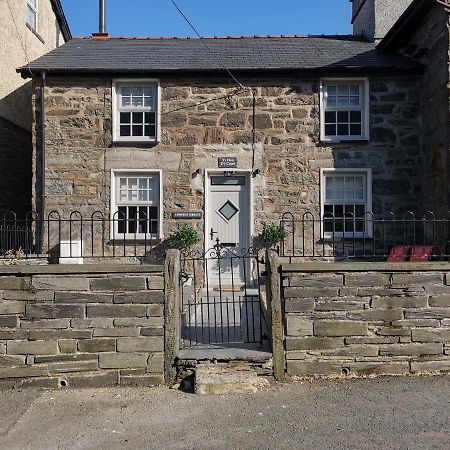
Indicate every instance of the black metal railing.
{"type": "Point", "coordinates": [221, 297]}
{"type": "Point", "coordinates": [393, 237]}
{"type": "Point", "coordinates": [95, 235]}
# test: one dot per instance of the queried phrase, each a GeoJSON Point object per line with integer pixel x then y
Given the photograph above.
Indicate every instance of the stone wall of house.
{"type": "Point", "coordinates": [80, 153]}
{"type": "Point", "coordinates": [429, 44]}
{"type": "Point", "coordinates": [366, 319]}
{"type": "Point", "coordinates": [15, 163]}
{"type": "Point", "coordinates": [78, 326]}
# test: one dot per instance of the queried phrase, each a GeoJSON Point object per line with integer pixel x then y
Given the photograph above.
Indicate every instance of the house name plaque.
{"type": "Point", "coordinates": [228, 162]}
{"type": "Point", "coordinates": [187, 215]}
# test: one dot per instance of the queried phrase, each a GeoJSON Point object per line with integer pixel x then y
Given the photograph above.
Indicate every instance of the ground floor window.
{"type": "Point", "coordinates": [136, 205]}
{"type": "Point", "coordinates": [346, 203]}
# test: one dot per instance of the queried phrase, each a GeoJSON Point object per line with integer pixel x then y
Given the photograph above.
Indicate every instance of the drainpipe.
{"type": "Point", "coordinates": [42, 139]}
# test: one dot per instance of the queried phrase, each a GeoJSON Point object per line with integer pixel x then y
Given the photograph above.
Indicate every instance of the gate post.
{"type": "Point", "coordinates": [274, 297]}
{"type": "Point", "coordinates": [171, 313]}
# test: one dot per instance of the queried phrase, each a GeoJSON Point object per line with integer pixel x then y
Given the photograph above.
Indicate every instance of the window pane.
{"type": "Point", "coordinates": [31, 18]}
{"type": "Point", "coordinates": [331, 90]}
{"type": "Point", "coordinates": [125, 117]}
{"type": "Point", "coordinates": [136, 91]}
{"type": "Point", "coordinates": [138, 130]}
{"type": "Point", "coordinates": [330, 116]}
{"type": "Point", "coordinates": [343, 90]}
{"type": "Point", "coordinates": [137, 102]}
{"type": "Point", "coordinates": [132, 214]}
{"type": "Point", "coordinates": [120, 219]}
{"type": "Point", "coordinates": [126, 91]}
{"type": "Point", "coordinates": [138, 117]}
{"type": "Point", "coordinates": [143, 195]}
{"type": "Point", "coordinates": [355, 116]}
{"type": "Point", "coordinates": [147, 102]}
{"type": "Point", "coordinates": [360, 211]}
{"type": "Point", "coordinates": [328, 210]}
{"type": "Point", "coordinates": [342, 130]}
{"type": "Point", "coordinates": [355, 130]}
{"type": "Point", "coordinates": [343, 101]}
{"type": "Point", "coordinates": [354, 101]}
{"type": "Point", "coordinates": [148, 91]}
{"type": "Point", "coordinates": [354, 89]}
{"type": "Point", "coordinates": [126, 101]}
{"type": "Point", "coordinates": [331, 101]}
{"type": "Point", "coordinates": [125, 130]}
{"type": "Point", "coordinates": [330, 130]}
{"type": "Point", "coordinates": [153, 217]}
{"type": "Point", "coordinates": [342, 116]}
{"type": "Point", "coordinates": [349, 211]}
{"type": "Point", "coordinates": [150, 117]}
{"type": "Point", "coordinates": [338, 210]}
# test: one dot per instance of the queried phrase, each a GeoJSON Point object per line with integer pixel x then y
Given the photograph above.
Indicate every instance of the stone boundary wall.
{"type": "Point", "coordinates": [81, 326]}
{"type": "Point", "coordinates": [366, 319]}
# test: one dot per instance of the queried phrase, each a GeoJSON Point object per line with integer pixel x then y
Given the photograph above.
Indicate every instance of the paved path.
{"type": "Point", "coordinates": [389, 413]}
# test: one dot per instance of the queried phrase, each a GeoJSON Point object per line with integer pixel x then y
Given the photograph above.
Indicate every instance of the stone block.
{"type": "Point", "coordinates": [65, 358]}
{"type": "Point", "coordinates": [61, 283]}
{"type": "Point", "coordinates": [357, 351]}
{"type": "Point", "coordinates": [316, 280]}
{"type": "Point", "coordinates": [29, 296]}
{"type": "Point", "coordinates": [442, 365]}
{"type": "Point", "coordinates": [440, 301]}
{"type": "Point", "coordinates": [416, 323]}
{"type": "Point", "coordinates": [154, 310]}
{"type": "Point", "coordinates": [152, 331]}
{"type": "Point", "coordinates": [94, 380]}
{"type": "Point", "coordinates": [9, 321]}
{"type": "Point", "coordinates": [82, 297]}
{"type": "Point", "coordinates": [45, 324]}
{"type": "Point", "coordinates": [432, 289]}
{"type": "Point", "coordinates": [60, 334]}
{"type": "Point", "coordinates": [116, 311]}
{"type": "Point", "coordinates": [52, 311]}
{"type": "Point", "coordinates": [399, 302]}
{"type": "Point", "coordinates": [140, 344]}
{"type": "Point", "coordinates": [67, 346]}
{"type": "Point", "coordinates": [138, 322]}
{"type": "Point", "coordinates": [393, 331]}
{"type": "Point", "coordinates": [140, 297]}
{"type": "Point", "coordinates": [429, 313]}
{"type": "Point", "coordinates": [11, 361]}
{"type": "Point", "coordinates": [340, 328]}
{"type": "Point", "coordinates": [98, 322]}
{"type": "Point", "coordinates": [156, 363]}
{"type": "Point", "coordinates": [12, 334]}
{"type": "Point", "coordinates": [296, 354]}
{"type": "Point", "coordinates": [155, 282]}
{"type": "Point", "coordinates": [381, 292]}
{"type": "Point", "coordinates": [13, 282]}
{"type": "Point", "coordinates": [298, 326]}
{"type": "Point", "coordinates": [312, 343]}
{"type": "Point", "coordinates": [313, 368]}
{"type": "Point", "coordinates": [371, 340]}
{"type": "Point", "coordinates": [22, 372]}
{"type": "Point", "coordinates": [417, 278]}
{"type": "Point", "coordinates": [367, 279]}
{"type": "Point", "coordinates": [411, 349]}
{"type": "Point", "coordinates": [377, 315]}
{"type": "Point", "coordinates": [118, 284]}
{"type": "Point", "coordinates": [32, 348]}
{"type": "Point", "coordinates": [148, 380]}
{"type": "Point", "coordinates": [378, 368]}
{"type": "Point", "coordinates": [11, 307]}
{"type": "Point", "coordinates": [122, 360]}
{"type": "Point", "coordinates": [116, 332]}
{"type": "Point", "coordinates": [339, 304]}
{"type": "Point", "coordinates": [2, 348]}
{"type": "Point", "coordinates": [97, 345]}
{"type": "Point", "coordinates": [300, 293]}
{"type": "Point", "coordinates": [430, 335]}
{"type": "Point", "coordinates": [75, 366]}
{"type": "Point", "coordinates": [297, 305]}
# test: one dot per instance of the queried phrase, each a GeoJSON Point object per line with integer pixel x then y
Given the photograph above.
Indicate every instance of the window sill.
{"type": "Point", "coordinates": [131, 241]}
{"type": "Point", "coordinates": [139, 144]}
{"type": "Point", "coordinates": [344, 141]}
{"type": "Point", "coordinates": [346, 238]}
{"type": "Point", "coordinates": [35, 33]}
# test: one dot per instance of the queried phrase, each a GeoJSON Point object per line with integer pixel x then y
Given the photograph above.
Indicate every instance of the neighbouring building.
{"type": "Point", "coordinates": [153, 133]}
{"type": "Point", "coordinates": [30, 28]}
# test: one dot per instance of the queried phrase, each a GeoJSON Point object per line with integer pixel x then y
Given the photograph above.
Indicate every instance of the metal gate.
{"type": "Point", "coordinates": [223, 297]}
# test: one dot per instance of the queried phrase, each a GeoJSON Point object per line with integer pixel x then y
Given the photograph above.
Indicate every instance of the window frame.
{"type": "Point", "coordinates": [116, 85]}
{"type": "Point", "coordinates": [368, 233]}
{"type": "Point", "coordinates": [36, 13]}
{"type": "Point", "coordinates": [114, 204]}
{"type": "Point", "coordinates": [365, 109]}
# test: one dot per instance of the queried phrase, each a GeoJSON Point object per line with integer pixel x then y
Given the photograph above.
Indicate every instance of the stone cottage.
{"type": "Point", "coordinates": [152, 133]}
{"type": "Point", "coordinates": [30, 28]}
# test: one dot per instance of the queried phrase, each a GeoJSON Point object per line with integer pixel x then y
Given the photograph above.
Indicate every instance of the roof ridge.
{"type": "Point", "coordinates": [256, 36]}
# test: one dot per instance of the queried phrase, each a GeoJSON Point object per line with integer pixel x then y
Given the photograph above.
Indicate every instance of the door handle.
{"type": "Point", "coordinates": [212, 233]}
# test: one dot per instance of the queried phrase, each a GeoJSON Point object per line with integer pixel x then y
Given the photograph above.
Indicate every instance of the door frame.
{"type": "Point", "coordinates": [215, 172]}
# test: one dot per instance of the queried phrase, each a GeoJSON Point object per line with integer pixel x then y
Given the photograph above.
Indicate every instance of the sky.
{"type": "Point", "coordinates": [211, 17]}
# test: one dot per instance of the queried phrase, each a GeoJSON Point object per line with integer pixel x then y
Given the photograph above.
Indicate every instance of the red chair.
{"type": "Point", "coordinates": [421, 253]}
{"type": "Point", "coordinates": [399, 254]}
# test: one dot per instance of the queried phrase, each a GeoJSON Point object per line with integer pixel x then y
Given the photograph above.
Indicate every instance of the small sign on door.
{"type": "Point", "coordinates": [228, 162]}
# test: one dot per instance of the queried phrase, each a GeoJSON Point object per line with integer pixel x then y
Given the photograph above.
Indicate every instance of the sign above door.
{"type": "Point", "coordinates": [228, 162]}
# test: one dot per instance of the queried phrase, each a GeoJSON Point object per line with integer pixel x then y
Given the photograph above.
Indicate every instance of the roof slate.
{"type": "Point", "coordinates": [159, 55]}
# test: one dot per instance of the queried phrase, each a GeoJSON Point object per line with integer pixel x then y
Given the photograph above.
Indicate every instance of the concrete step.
{"type": "Point", "coordinates": [228, 378]}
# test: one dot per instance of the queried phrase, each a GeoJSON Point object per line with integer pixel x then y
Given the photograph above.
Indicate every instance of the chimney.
{"type": "Point", "coordinates": [374, 18]}
{"type": "Point", "coordinates": [102, 34]}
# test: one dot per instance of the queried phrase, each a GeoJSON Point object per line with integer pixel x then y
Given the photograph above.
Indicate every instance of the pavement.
{"type": "Point", "coordinates": [383, 413]}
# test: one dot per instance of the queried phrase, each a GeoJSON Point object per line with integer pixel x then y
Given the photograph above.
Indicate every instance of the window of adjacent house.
{"type": "Point", "coordinates": [344, 110]}
{"type": "Point", "coordinates": [136, 208]}
{"type": "Point", "coordinates": [346, 203]}
{"type": "Point", "coordinates": [32, 7]}
{"type": "Point", "coordinates": [136, 116]}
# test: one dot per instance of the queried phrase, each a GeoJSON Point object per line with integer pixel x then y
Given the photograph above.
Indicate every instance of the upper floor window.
{"type": "Point", "coordinates": [32, 11]}
{"type": "Point", "coordinates": [344, 106]}
{"type": "Point", "coordinates": [346, 203]}
{"type": "Point", "coordinates": [136, 106]}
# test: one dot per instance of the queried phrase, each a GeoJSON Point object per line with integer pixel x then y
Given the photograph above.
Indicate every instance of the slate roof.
{"type": "Point", "coordinates": [244, 54]}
